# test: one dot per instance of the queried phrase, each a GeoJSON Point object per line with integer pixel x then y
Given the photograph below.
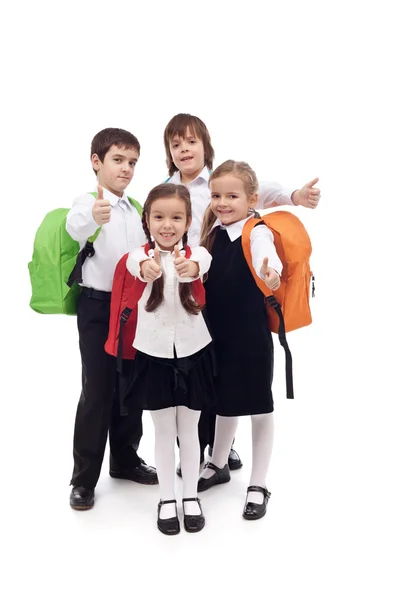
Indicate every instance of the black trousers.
{"type": "Point", "coordinates": [98, 412]}
{"type": "Point", "coordinates": [206, 429]}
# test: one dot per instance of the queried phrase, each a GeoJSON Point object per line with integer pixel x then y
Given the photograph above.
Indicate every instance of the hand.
{"type": "Point", "coordinates": [308, 196]}
{"type": "Point", "coordinates": [183, 266]}
{"type": "Point", "coordinates": [150, 269]}
{"type": "Point", "coordinates": [270, 276]}
{"type": "Point", "coordinates": [101, 210]}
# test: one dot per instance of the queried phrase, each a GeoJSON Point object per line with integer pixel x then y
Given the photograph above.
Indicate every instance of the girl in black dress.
{"type": "Point", "coordinates": [237, 317]}
{"type": "Point", "coordinates": [172, 374]}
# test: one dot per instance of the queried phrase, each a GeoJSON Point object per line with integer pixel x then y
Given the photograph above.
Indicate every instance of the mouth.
{"type": "Point", "coordinates": [125, 178]}
{"type": "Point", "coordinates": [167, 236]}
{"type": "Point", "coordinates": [224, 213]}
{"type": "Point", "coordinates": [186, 158]}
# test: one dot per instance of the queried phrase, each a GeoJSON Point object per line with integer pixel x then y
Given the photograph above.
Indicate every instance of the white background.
{"type": "Point", "coordinates": [298, 90]}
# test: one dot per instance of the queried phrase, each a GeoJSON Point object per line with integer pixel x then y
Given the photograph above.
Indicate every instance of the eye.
{"type": "Point", "coordinates": [193, 141]}
{"type": "Point", "coordinates": [232, 196]}
{"type": "Point", "coordinates": [132, 164]}
{"type": "Point", "coordinates": [177, 218]}
{"type": "Point", "coordinates": [175, 145]}
{"type": "Point", "coordinates": [214, 196]}
{"type": "Point", "coordinates": [117, 159]}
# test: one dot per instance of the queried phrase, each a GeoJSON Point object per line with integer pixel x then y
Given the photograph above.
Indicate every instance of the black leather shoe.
{"type": "Point", "coordinates": [168, 526]}
{"type": "Point", "coordinates": [234, 461]}
{"type": "Point", "coordinates": [193, 523]}
{"type": "Point", "coordinates": [179, 470]}
{"type": "Point", "coordinates": [253, 511]}
{"type": "Point", "coordinates": [141, 474]}
{"type": "Point", "coordinates": [81, 498]}
{"type": "Point", "coordinates": [220, 476]}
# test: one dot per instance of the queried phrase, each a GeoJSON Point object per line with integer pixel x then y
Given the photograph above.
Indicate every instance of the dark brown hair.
{"type": "Point", "coordinates": [169, 190]}
{"type": "Point", "coordinates": [102, 142]}
{"type": "Point", "coordinates": [243, 171]}
{"type": "Point", "coordinates": [177, 127]}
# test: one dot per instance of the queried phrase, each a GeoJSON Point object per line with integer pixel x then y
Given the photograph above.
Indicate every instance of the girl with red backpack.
{"type": "Point", "coordinates": [172, 374]}
{"type": "Point", "coordinates": [238, 322]}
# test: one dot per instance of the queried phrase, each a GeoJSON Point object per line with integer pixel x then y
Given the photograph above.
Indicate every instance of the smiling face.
{"type": "Point", "coordinates": [117, 169]}
{"type": "Point", "coordinates": [229, 201]}
{"type": "Point", "coordinates": [188, 155]}
{"type": "Point", "coordinates": [168, 221]}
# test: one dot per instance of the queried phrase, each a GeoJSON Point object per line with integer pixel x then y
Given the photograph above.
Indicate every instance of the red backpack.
{"type": "Point", "coordinates": [125, 295]}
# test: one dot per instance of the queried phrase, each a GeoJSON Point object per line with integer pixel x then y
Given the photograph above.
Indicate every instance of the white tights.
{"type": "Point", "coordinates": [170, 423]}
{"type": "Point", "coordinates": [262, 443]}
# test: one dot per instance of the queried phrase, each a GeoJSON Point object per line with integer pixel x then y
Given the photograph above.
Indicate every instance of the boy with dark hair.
{"type": "Point", "coordinates": [114, 154]}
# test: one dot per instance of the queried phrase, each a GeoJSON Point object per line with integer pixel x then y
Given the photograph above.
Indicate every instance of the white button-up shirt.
{"type": "Point", "coordinates": [269, 194]}
{"type": "Point", "coordinates": [261, 244]}
{"type": "Point", "coordinates": [117, 237]}
{"type": "Point", "coordinates": [170, 325]}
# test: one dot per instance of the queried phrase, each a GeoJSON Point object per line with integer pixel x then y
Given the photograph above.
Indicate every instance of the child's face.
{"type": "Point", "coordinates": [117, 169]}
{"type": "Point", "coordinates": [229, 201]}
{"type": "Point", "coordinates": [168, 221]}
{"type": "Point", "coordinates": [188, 155]}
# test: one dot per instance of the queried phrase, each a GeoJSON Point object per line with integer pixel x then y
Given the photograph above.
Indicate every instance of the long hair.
{"type": "Point", "coordinates": [169, 190]}
{"type": "Point", "coordinates": [177, 127]}
{"type": "Point", "coordinates": [243, 171]}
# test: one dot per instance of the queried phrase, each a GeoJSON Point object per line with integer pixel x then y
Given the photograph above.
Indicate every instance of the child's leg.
{"type": "Point", "coordinates": [187, 422]}
{"type": "Point", "coordinates": [165, 433]}
{"type": "Point", "coordinates": [263, 439]}
{"type": "Point", "coordinates": [225, 430]}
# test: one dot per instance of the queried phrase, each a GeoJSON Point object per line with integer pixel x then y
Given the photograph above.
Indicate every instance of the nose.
{"type": "Point", "coordinates": [167, 224]}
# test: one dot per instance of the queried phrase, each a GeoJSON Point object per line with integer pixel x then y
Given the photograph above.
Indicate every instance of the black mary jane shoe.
{"type": "Point", "coordinates": [253, 511]}
{"type": "Point", "coordinates": [234, 461]}
{"type": "Point", "coordinates": [169, 526]}
{"type": "Point", "coordinates": [220, 476]}
{"type": "Point", "coordinates": [193, 523]}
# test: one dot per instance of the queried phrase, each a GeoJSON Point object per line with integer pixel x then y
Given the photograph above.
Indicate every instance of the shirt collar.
{"type": "Point", "coordinates": [167, 252]}
{"type": "Point", "coordinates": [113, 199]}
{"type": "Point", "coordinates": [235, 230]}
{"type": "Point", "coordinates": [203, 175]}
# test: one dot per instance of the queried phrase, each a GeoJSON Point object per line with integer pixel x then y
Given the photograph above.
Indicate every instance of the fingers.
{"type": "Point", "coordinates": [177, 252]}
{"type": "Point", "coordinates": [150, 270]}
{"type": "Point", "coordinates": [272, 279]}
{"type": "Point", "coordinates": [157, 256]}
{"type": "Point", "coordinates": [312, 182]}
{"type": "Point", "coordinates": [100, 195]}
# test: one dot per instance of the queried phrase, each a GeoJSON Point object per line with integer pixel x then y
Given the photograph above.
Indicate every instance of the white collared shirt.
{"type": "Point", "coordinates": [261, 244]}
{"type": "Point", "coordinates": [269, 194]}
{"type": "Point", "coordinates": [170, 325]}
{"type": "Point", "coordinates": [117, 237]}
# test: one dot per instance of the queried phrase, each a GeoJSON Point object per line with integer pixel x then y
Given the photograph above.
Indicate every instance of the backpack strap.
{"type": "Point", "coordinates": [271, 301]}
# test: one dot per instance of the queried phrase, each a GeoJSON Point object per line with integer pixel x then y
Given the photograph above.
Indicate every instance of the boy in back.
{"type": "Point", "coordinates": [114, 154]}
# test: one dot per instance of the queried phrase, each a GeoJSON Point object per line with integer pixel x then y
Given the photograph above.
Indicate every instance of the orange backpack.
{"type": "Point", "coordinates": [288, 307]}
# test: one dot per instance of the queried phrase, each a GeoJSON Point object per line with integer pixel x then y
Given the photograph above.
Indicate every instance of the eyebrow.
{"type": "Point", "coordinates": [117, 155]}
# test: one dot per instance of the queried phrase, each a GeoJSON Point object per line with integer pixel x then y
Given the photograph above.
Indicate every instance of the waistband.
{"type": "Point", "coordinates": [96, 294]}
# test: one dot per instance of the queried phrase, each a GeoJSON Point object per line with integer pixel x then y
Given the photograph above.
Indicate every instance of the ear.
{"type": "Point", "coordinates": [96, 162]}
{"type": "Point", "coordinates": [188, 223]}
{"type": "Point", "coordinates": [253, 201]}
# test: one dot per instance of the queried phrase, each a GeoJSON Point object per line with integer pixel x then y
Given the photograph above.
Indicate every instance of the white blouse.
{"type": "Point", "coordinates": [170, 325]}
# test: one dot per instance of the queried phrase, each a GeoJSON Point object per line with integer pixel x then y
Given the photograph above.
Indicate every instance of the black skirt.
{"type": "Point", "coordinates": [156, 383]}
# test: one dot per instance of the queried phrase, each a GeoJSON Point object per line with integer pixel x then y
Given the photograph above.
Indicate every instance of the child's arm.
{"type": "Point", "coordinates": [273, 194]}
{"type": "Point", "coordinates": [189, 269]}
{"type": "Point", "coordinates": [144, 267]}
{"type": "Point", "coordinates": [80, 222]}
{"type": "Point", "coordinates": [262, 247]}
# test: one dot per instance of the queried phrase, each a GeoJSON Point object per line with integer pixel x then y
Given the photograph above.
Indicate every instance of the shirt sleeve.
{"type": "Point", "coordinates": [80, 223]}
{"type": "Point", "coordinates": [272, 194]}
{"type": "Point", "coordinates": [203, 258]}
{"type": "Point", "coordinates": [262, 246]}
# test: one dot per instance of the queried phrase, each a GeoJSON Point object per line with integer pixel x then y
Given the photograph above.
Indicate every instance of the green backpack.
{"type": "Point", "coordinates": [54, 264]}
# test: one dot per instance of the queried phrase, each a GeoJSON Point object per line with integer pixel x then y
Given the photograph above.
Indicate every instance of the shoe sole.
{"type": "Point", "coordinates": [169, 532]}
{"type": "Point", "coordinates": [213, 485]}
{"type": "Point", "coordinates": [194, 530]}
{"type": "Point", "coordinates": [256, 518]}
{"type": "Point", "coordinates": [116, 475]}
{"type": "Point", "coordinates": [87, 507]}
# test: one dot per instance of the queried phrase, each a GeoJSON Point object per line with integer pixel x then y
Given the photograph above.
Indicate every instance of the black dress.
{"type": "Point", "coordinates": [237, 319]}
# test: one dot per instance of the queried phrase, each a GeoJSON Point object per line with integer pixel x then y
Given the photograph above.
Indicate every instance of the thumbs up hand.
{"type": "Point", "coordinates": [184, 267]}
{"type": "Point", "coordinates": [151, 268]}
{"type": "Point", "coordinates": [270, 276]}
{"type": "Point", "coordinates": [101, 209]}
{"type": "Point", "coordinates": [308, 196]}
